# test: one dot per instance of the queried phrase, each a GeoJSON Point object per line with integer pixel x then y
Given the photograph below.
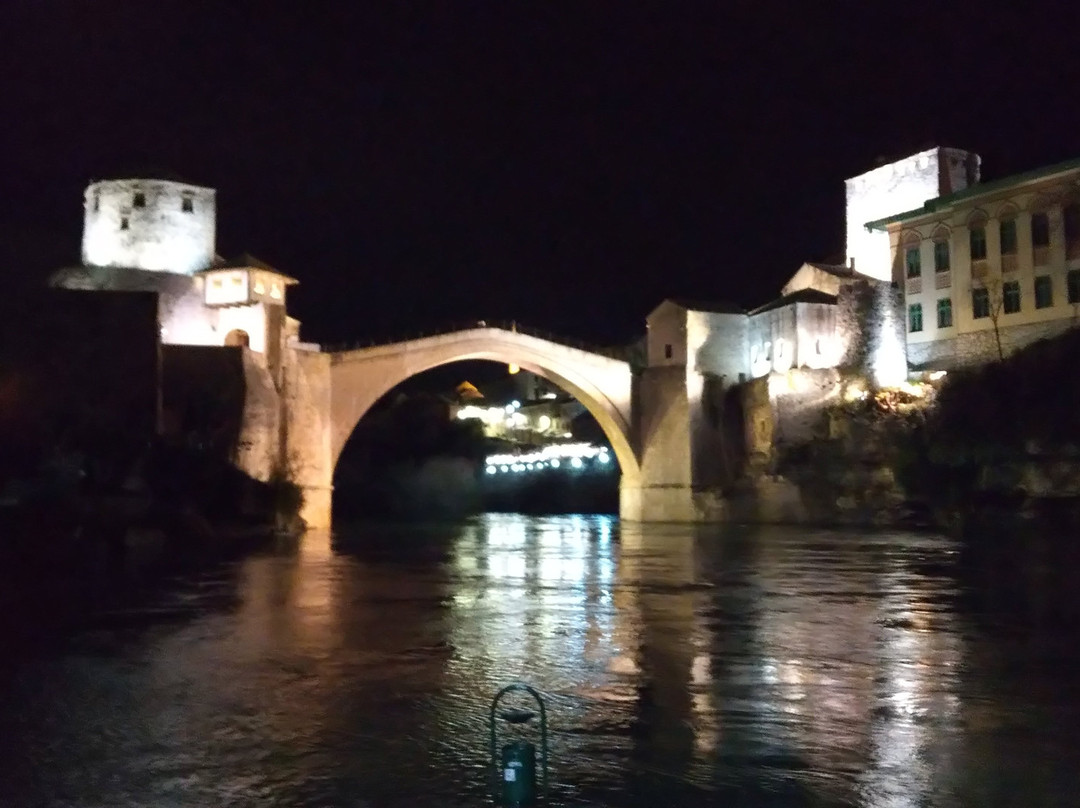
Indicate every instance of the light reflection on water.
{"type": "Point", "coordinates": [684, 666]}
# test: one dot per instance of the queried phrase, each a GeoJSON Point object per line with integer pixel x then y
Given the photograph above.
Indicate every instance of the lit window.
{"type": "Point", "coordinates": [1072, 281]}
{"type": "Point", "coordinates": [941, 256]}
{"type": "Point", "coordinates": [978, 242]}
{"type": "Point", "coordinates": [1010, 296]}
{"type": "Point", "coordinates": [915, 317]}
{"type": "Point", "coordinates": [980, 303]}
{"type": "Point", "coordinates": [1040, 230]}
{"type": "Point", "coordinates": [124, 224]}
{"type": "Point", "coordinates": [275, 290]}
{"type": "Point", "coordinates": [667, 351]}
{"type": "Point", "coordinates": [1044, 292]}
{"type": "Point", "coordinates": [913, 262]}
{"type": "Point", "coordinates": [139, 200]}
{"type": "Point", "coordinates": [237, 280]}
{"type": "Point", "coordinates": [187, 205]}
{"type": "Point", "coordinates": [944, 312]}
{"type": "Point", "coordinates": [1007, 230]}
{"type": "Point", "coordinates": [260, 288]}
{"type": "Point", "coordinates": [216, 283]}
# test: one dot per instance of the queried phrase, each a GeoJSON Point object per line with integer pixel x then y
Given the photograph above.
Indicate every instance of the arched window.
{"type": "Point", "coordinates": [912, 255]}
{"type": "Point", "coordinates": [1070, 220]}
{"type": "Point", "coordinates": [977, 238]}
{"type": "Point", "coordinates": [1007, 238]}
{"type": "Point", "coordinates": [942, 258]}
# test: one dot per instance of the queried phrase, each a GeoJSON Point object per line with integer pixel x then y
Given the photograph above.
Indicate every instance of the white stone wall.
{"type": "Point", "coordinates": [716, 345]}
{"type": "Point", "coordinates": [666, 327]}
{"type": "Point", "coordinates": [895, 188]}
{"type": "Point", "coordinates": [173, 230]}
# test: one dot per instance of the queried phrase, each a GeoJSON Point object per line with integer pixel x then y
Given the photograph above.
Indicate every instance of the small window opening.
{"type": "Point", "coordinates": [667, 351]}
{"type": "Point", "coordinates": [97, 202]}
{"type": "Point", "coordinates": [124, 224]}
{"type": "Point", "coordinates": [187, 205]}
{"type": "Point", "coordinates": [139, 201]}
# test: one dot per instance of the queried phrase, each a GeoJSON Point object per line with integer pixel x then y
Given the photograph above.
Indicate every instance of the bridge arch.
{"type": "Point", "coordinates": [359, 378]}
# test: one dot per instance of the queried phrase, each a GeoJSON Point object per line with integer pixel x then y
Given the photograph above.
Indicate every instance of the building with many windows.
{"type": "Point", "coordinates": [990, 268]}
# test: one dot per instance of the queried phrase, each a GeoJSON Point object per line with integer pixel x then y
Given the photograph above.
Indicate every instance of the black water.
{"type": "Point", "coordinates": [683, 666]}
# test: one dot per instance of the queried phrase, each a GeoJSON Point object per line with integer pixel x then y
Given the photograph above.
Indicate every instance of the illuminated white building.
{"type": "Point", "coordinates": [159, 236]}
{"type": "Point", "coordinates": [988, 263]}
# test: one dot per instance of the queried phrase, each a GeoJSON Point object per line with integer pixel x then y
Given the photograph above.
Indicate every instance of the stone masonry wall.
{"type": "Point", "coordinates": [870, 322]}
{"type": "Point", "coordinates": [979, 347]}
{"type": "Point", "coordinates": [308, 455]}
{"type": "Point", "coordinates": [173, 230]}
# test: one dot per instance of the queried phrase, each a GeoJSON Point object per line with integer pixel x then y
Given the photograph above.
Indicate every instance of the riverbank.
{"type": "Point", "coordinates": [62, 565]}
{"type": "Point", "coordinates": [70, 548]}
{"type": "Point", "coordinates": [997, 443]}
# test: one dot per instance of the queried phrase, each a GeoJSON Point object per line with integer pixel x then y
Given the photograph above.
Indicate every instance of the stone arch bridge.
{"type": "Point", "coordinates": [646, 439]}
{"type": "Point", "coordinates": [359, 378]}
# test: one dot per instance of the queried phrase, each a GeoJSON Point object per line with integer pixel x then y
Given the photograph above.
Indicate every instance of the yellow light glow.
{"type": "Point", "coordinates": [936, 375]}
{"type": "Point", "coordinates": [512, 369]}
{"type": "Point", "coordinates": [855, 392]}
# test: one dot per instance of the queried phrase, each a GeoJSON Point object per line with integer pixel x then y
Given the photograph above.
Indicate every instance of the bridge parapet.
{"type": "Point", "coordinates": [512, 326]}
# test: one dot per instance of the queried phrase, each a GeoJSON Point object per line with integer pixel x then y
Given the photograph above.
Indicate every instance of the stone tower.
{"type": "Point", "coordinates": [894, 188]}
{"type": "Point", "coordinates": [155, 225]}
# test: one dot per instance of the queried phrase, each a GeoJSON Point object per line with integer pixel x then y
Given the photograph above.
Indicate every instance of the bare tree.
{"type": "Point", "coordinates": [995, 293]}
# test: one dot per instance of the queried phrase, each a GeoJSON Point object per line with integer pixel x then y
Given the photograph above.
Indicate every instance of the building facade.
{"type": "Point", "coordinates": [988, 269]}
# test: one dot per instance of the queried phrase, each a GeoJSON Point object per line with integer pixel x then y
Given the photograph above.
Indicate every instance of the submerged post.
{"type": "Point", "coordinates": [513, 768]}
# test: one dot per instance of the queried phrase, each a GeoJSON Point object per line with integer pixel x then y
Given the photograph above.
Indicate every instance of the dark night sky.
{"type": "Point", "coordinates": [567, 165]}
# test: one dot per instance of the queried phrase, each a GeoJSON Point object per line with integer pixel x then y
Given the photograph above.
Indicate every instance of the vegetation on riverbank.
{"type": "Point", "coordinates": [1002, 440]}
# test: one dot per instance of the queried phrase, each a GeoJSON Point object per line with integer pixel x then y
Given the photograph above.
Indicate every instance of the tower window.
{"type": "Point", "coordinates": [97, 202]}
{"type": "Point", "coordinates": [124, 224]}
{"type": "Point", "coordinates": [139, 201]}
{"type": "Point", "coordinates": [187, 205]}
{"type": "Point", "coordinates": [667, 351]}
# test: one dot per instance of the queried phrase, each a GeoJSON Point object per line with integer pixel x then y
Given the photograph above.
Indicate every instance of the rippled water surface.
{"type": "Point", "coordinates": [682, 666]}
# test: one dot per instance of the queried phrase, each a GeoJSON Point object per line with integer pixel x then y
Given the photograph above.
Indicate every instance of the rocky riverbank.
{"type": "Point", "coordinates": [999, 443]}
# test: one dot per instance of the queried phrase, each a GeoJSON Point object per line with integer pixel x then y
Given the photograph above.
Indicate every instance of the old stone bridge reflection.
{"type": "Point", "coordinates": [685, 666]}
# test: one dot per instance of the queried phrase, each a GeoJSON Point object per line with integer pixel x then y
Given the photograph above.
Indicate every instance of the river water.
{"type": "Point", "coordinates": [681, 666]}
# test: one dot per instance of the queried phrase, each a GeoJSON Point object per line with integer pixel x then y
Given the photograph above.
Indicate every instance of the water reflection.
{"type": "Point", "coordinates": [684, 666]}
